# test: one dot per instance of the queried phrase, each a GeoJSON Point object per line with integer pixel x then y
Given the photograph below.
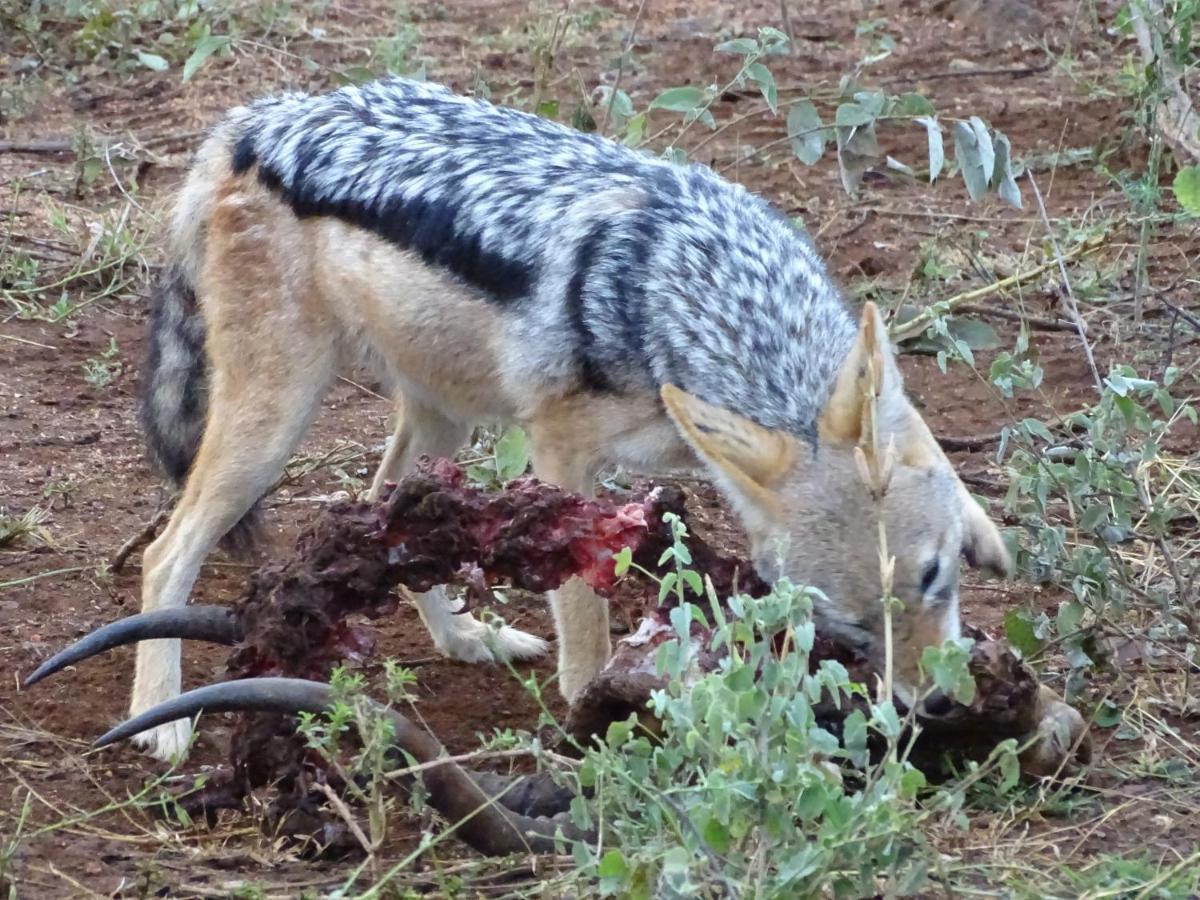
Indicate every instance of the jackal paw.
{"type": "Point", "coordinates": [167, 742]}
{"type": "Point", "coordinates": [475, 642]}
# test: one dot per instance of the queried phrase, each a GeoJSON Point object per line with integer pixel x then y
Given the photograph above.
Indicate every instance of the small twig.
{"type": "Point", "coordinates": [11, 337]}
{"type": "Point", "coordinates": [1068, 296]}
{"type": "Point", "coordinates": [785, 19]}
{"type": "Point", "coordinates": [1018, 72]}
{"type": "Point", "coordinates": [969, 442]}
{"type": "Point", "coordinates": [364, 389]}
{"type": "Point", "coordinates": [16, 582]}
{"type": "Point", "coordinates": [612, 97]}
{"type": "Point", "coordinates": [144, 536]}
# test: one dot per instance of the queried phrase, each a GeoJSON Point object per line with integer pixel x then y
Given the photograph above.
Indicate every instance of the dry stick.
{"type": "Point", "coordinates": [144, 536]}
{"type": "Point", "coordinates": [1035, 322]}
{"type": "Point", "coordinates": [621, 67]}
{"type": "Point", "coordinates": [1068, 296]}
{"type": "Point", "coordinates": [54, 145]}
{"type": "Point", "coordinates": [921, 321]}
{"type": "Point", "coordinates": [13, 337]}
{"type": "Point", "coordinates": [346, 816]}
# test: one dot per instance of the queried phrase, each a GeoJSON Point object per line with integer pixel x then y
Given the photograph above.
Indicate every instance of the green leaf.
{"type": "Point", "coordinates": [937, 151]}
{"type": "Point", "coordinates": [512, 454]}
{"type": "Point", "coordinates": [613, 872]}
{"type": "Point", "coordinates": [1186, 188]}
{"type": "Point", "coordinates": [911, 104]}
{"type": "Point", "coordinates": [356, 75]}
{"type": "Point", "coordinates": [1020, 631]}
{"type": "Point", "coordinates": [207, 46]}
{"type": "Point", "coordinates": [91, 169]}
{"type": "Point", "coordinates": [872, 101]}
{"type": "Point", "coordinates": [1094, 516]}
{"type": "Point", "coordinates": [975, 333]}
{"type": "Point", "coordinates": [679, 99]}
{"type": "Point", "coordinates": [1108, 715]}
{"type": "Point", "coordinates": [666, 586]}
{"type": "Point", "coordinates": [805, 132]}
{"type": "Point", "coordinates": [622, 561]}
{"type": "Point", "coordinates": [716, 835]}
{"type": "Point", "coordinates": [152, 61]}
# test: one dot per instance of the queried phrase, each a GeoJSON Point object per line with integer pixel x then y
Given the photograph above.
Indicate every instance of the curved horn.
{"type": "Point", "coordinates": [480, 820]}
{"type": "Point", "coordinates": [198, 623]}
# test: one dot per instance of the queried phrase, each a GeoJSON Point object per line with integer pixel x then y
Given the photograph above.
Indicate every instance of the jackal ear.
{"type": "Point", "coordinates": [983, 545]}
{"type": "Point", "coordinates": [845, 418]}
{"type": "Point", "coordinates": [750, 459]}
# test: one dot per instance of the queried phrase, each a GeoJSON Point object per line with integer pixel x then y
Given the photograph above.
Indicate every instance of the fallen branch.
{"type": "Point", "coordinates": [904, 330]}
{"type": "Point", "coordinates": [51, 145]}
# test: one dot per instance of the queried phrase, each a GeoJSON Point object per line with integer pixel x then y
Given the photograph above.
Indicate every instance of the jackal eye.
{"type": "Point", "coordinates": [929, 576]}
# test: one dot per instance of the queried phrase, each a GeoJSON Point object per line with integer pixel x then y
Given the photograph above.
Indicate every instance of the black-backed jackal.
{"type": "Point", "coordinates": [493, 266]}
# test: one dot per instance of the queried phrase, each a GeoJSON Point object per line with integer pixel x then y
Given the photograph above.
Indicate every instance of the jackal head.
{"type": "Point", "coordinates": [813, 514]}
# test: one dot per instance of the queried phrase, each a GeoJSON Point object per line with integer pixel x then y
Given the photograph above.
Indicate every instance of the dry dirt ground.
{"type": "Point", "coordinates": [72, 447]}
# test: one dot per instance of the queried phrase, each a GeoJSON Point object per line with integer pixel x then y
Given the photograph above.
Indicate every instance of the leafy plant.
{"type": "Point", "coordinates": [102, 370]}
{"type": "Point", "coordinates": [1099, 504]}
{"type": "Point", "coordinates": [983, 156]}
{"type": "Point", "coordinates": [364, 771]}
{"type": "Point", "coordinates": [742, 792]}
{"type": "Point", "coordinates": [497, 459]}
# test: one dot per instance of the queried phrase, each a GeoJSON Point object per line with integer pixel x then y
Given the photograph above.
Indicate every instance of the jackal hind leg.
{"type": "Point", "coordinates": [271, 360]}
{"type": "Point", "coordinates": [422, 430]}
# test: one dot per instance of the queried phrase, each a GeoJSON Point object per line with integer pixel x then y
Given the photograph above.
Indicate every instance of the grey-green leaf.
{"type": "Point", "coordinates": [937, 152]}
{"type": "Point", "coordinates": [807, 135]}
{"type": "Point", "coordinates": [206, 47]}
{"type": "Point", "coordinates": [762, 76]}
{"type": "Point", "coordinates": [987, 155]}
{"type": "Point", "coordinates": [1003, 181]}
{"type": "Point", "coordinates": [740, 46]}
{"type": "Point", "coordinates": [858, 150]}
{"type": "Point", "coordinates": [966, 152]}
{"type": "Point", "coordinates": [679, 99]}
{"type": "Point", "coordinates": [152, 61]}
{"type": "Point", "coordinates": [852, 115]}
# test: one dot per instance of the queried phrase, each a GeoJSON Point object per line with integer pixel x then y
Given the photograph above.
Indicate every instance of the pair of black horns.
{"type": "Point", "coordinates": [216, 624]}
{"type": "Point", "coordinates": [488, 811]}
{"type": "Point", "coordinates": [463, 798]}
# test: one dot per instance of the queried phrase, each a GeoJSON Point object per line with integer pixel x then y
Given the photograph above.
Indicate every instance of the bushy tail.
{"type": "Point", "coordinates": [174, 377]}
